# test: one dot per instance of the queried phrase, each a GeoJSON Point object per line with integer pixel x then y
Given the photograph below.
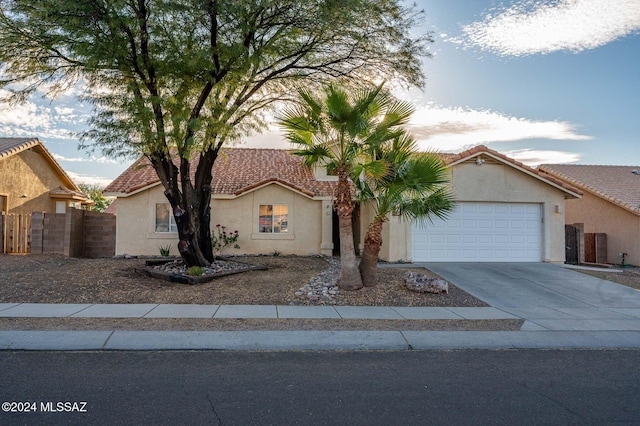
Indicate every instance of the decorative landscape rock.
{"type": "Point", "coordinates": [321, 289]}
{"type": "Point", "coordinates": [422, 284]}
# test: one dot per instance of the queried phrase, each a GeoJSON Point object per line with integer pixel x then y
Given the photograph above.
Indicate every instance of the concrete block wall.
{"type": "Point", "coordinates": [99, 234]}
{"type": "Point", "coordinates": [52, 233]}
{"type": "Point", "coordinates": [73, 235]}
{"type": "Point", "coordinates": [76, 233]}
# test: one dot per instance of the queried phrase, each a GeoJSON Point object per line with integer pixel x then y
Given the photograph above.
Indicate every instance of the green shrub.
{"type": "Point", "coordinates": [195, 271]}
{"type": "Point", "coordinates": [165, 251]}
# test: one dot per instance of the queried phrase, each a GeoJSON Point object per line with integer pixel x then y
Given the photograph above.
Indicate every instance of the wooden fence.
{"type": "Point", "coordinates": [15, 233]}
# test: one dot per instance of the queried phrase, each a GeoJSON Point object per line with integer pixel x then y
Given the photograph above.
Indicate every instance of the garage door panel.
{"type": "Point", "coordinates": [502, 239]}
{"type": "Point", "coordinates": [469, 239]}
{"type": "Point", "coordinates": [486, 224]}
{"type": "Point", "coordinates": [469, 208]}
{"type": "Point", "coordinates": [500, 232]}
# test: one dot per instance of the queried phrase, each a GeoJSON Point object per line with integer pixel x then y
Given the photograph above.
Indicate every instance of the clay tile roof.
{"type": "Point", "coordinates": [236, 171]}
{"type": "Point", "coordinates": [66, 192]}
{"type": "Point", "coordinates": [112, 208]}
{"type": "Point", "coordinates": [138, 175]}
{"type": "Point", "coordinates": [616, 184]}
{"type": "Point", "coordinates": [480, 149]}
{"type": "Point", "coordinates": [11, 146]}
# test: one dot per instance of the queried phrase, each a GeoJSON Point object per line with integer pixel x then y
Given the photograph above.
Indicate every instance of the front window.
{"type": "Point", "coordinates": [61, 206]}
{"type": "Point", "coordinates": [165, 222]}
{"type": "Point", "coordinates": [274, 219]}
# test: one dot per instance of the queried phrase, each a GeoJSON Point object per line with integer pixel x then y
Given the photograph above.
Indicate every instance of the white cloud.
{"type": "Point", "coordinates": [454, 129]}
{"type": "Point", "coordinates": [29, 119]}
{"type": "Point", "coordinates": [532, 27]}
{"type": "Point", "coordinates": [79, 178]}
{"type": "Point", "coordinates": [270, 138]}
{"type": "Point", "coordinates": [451, 129]}
{"type": "Point", "coordinates": [64, 110]}
{"type": "Point", "coordinates": [99, 160]}
{"type": "Point", "coordinates": [533, 158]}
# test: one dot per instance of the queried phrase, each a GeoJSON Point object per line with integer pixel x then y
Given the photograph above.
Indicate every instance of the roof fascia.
{"type": "Point", "coordinates": [265, 184]}
{"type": "Point", "coordinates": [134, 192]}
{"type": "Point", "coordinates": [515, 166]}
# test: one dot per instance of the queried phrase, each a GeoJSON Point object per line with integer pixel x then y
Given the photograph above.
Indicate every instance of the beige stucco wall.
{"type": "Point", "coordinates": [621, 226]}
{"type": "Point", "coordinates": [491, 182]}
{"type": "Point", "coordinates": [28, 173]}
{"type": "Point", "coordinates": [136, 213]}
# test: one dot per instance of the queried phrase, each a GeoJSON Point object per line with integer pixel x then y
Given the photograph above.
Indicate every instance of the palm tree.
{"type": "Point", "coordinates": [414, 187]}
{"type": "Point", "coordinates": [332, 130]}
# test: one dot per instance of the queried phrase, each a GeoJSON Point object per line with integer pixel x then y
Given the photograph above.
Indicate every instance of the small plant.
{"type": "Point", "coordinates": [276, 253]}
{"type": "Point", "coordinates": [195, 271]}
{"type": "Point", "coordinates": [221, 240]}
{"type": "Point", "coordinates": [165, 251]}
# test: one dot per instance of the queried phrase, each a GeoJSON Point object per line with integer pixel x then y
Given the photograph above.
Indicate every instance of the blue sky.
{"type": "Point", "coordinates": [546, 81]}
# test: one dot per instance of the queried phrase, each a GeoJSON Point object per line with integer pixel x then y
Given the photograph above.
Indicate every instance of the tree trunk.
{"type": "Point", "coordinates": [190, 229]}
{"type": "Point", "coordinates": [349, 274]}
{"type": "Point", "coordinates": [369, 258]}
{"type": "Point", "coordinates": [191, 205]}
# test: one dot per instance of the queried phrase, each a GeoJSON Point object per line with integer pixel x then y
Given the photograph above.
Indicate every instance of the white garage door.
{"type": "Point", "coordinates": [481, 232]}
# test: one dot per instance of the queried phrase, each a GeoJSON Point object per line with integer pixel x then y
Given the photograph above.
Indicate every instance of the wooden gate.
{"type": "Point", "coordinates": [595, 247]}
{"type": "Point", "coordinates": [15, 233]}
{"type": "Point", "coordinates": [571, 244]}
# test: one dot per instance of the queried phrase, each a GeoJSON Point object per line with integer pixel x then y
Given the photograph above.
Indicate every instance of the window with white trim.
{"type": "Point", "coordinates": [164, 220]}
{"type": "Point", "coordinates": [273, 219]}
{"type": "Point", "coordinates": [61, 206]}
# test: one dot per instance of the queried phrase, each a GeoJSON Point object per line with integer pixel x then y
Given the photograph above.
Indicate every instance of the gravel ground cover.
{"type": "Point", "coordinates": [59, 279]}
{"type": "Point", "coordinates": [629, 277]}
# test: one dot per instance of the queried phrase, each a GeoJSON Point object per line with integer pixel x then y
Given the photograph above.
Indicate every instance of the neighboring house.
{"type": "Point", "coordinates": [32, 181]}
{"type": "Point", "coordinates": [112, 208]}
{"type": "Point", "coordinates": [610, 205]}
{"type": "Point", "coordinates": [507, 212]}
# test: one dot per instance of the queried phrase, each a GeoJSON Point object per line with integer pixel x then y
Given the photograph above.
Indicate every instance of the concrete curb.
{"type": "Point", "coordinates": [313, 340]}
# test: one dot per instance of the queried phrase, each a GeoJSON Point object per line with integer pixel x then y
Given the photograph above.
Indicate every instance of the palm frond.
{"type": "Point", "coordinates": [440, 203]}
{"type": "Point", "coordinates": [398, 113]}
{"type": "Point", "coordinates": [315, 154]}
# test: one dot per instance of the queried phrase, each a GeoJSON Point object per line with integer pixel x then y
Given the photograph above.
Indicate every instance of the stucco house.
{"type": "Point", "coordinates": [32, 181]}
{"type": "Point", "coordinates": [507, 211]}
{"type": "Point", "coordinates": [610, 204]}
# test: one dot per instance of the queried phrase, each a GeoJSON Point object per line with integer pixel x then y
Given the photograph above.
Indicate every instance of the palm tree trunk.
{"type": "Point", "coordinates": [369, 261]}
{"type": "Point", "coordinates": [349, 274]}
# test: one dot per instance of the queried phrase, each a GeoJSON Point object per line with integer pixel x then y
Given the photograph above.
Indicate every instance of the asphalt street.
{"type": "Point", "coordinates": [472, 387]}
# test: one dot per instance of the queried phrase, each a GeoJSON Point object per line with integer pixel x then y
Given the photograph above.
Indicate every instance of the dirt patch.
{"type": "Point", "coordinates": [59, 279]}
{"type": "Point", "coordinates": [629, 277]}
{"type": "Point", "coordinates": [240, 324]}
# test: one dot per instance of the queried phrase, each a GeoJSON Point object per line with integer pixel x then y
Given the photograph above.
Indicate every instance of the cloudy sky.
{"type": "Point", "coordinates": [545, 81]}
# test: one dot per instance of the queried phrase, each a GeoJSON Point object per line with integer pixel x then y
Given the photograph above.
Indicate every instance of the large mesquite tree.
{"type": "Point", "coordinates": [175, 80]}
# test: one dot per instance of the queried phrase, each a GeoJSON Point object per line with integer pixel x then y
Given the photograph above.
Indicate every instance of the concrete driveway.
{"type": "Point", "coordinates": [550, 296]}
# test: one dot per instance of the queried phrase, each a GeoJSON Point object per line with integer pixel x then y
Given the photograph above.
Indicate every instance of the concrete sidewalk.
{"type": "Point", "coordinates": [42, 310]}
{"type": "Point", "coordinates": [544, 327]}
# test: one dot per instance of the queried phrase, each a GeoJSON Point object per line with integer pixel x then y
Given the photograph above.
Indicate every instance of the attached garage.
{"type": "Point", "coordinates": [481, 232]}
{"type": "Point", "coordinates": [506, 212]}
